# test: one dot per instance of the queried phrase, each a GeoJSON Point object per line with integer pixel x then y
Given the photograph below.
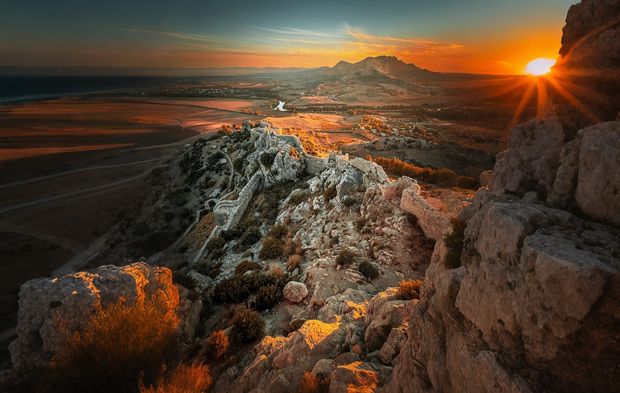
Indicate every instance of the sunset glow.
{"type": "Point", "coordinates": [540, 66]}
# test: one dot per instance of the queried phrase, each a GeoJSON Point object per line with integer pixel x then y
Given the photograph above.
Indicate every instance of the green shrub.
{"type": "Point", "coordinates": [329, 193]}
{"type": "Point", "coordinates": [349, 201]}
{"type": "Point", "coordinates": [345, 258]}
{"type": "Point", "coordinates": [250, 237]}
{"type": "Point", "coordinates": [454, 243]}
{"type": "Point", "coordinates": [267, 297]}
{"type": "Point", "coordinates": [267, 159]}
{"type": "Point", "coordinates": [231, 234]}
{"type": "Point", "coordinates": [248, 325]}
{"type": "Point", "coordinates": [273, 248]}
{"type": "Point", "coordinates": [238, 289]}
{"type": "Point", "coordinates": [368, 270]}
{"type": "Point", "coordinates": [216, 243]}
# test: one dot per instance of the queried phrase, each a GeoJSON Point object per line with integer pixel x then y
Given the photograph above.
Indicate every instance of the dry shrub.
{"type": "Point", "coordinates": [441, 176]}
{"type": "Point", "coordinates": [272, 248]}
{"type": "Point", "coordinates": [246, 266]}
{"type": "Point", "coordinates": [293, 262]}
{"type": "Point", "coordinates": [329, 193]}
{"type": "Point", "coordinates": [409, 289]}
{"type": "Point", "coordinates": [217, 344]}
{"type": "Point", "coordinates": [309, 383]}
{"type": "Point", "coordinates": [275, 270]}
{"type": "Point", "coordinates": [114, 347]}
{"type": "Point", "coordinates": [345, 258]}
{"type": "Point", "coordinates": [278, 231]}
{"type": "Point", "coordinates": [293, 152]}
{"type": "Point", "coordinates": [194, 378]}
{"type": "Point", "coordinates": [248, 325]}
{"type": "Point", "coordinates": [290, 247]}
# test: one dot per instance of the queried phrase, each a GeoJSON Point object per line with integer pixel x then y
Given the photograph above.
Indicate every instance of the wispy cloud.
{"type": "Point", "coordinates": [399, 42]}
{"type": "Point", "coordinates": [301, 32]}
{"type": "Point", "coordinates": [181, 36]}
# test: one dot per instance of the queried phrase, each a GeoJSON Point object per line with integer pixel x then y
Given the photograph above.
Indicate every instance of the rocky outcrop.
{"type": "Point", "coordinates": [590, 55]}
{"type": "Point", "coordinates": [48, 304]}
{"type": "Point", "coordinates": [535, 304]}
{"type": "Point", "coordinates": [578, 173]}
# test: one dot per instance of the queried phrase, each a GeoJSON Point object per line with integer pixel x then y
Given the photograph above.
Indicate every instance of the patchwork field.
{"type": "Point", "coordinates": [69, 168]}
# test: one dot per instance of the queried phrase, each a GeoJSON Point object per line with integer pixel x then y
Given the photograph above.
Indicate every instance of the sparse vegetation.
{"type": "Point", "coordinates": [454, 243]}
{"type": "Point", "coordinates": [368, 270]}
{"type": "Point", "coordinates": [116, 346]}
{"type": "Point", "coordinates": [345, 258]}
{"type": "Point", "coordinates": [247, 325]}
{"type": "Point", "coordinates": [409, 289]}
{"type": "Point", "coordinates": [217, 344]}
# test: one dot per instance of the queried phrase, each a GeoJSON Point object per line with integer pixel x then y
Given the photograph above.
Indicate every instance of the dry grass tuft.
{"type": "Point", "coordinates": [194, 378]}
{"type": "Point", "coordinates": [114, 347]}
{"type": "Point", "coordinates": [217, 344]}
{"type": "Point", "coordinates": [409, 289]}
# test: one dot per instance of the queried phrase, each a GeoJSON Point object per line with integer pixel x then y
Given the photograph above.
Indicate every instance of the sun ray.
{"type": "Point", "coordinates": [543, 102]}
{"type": "Point", "coordinates": [523, 103]}
{"type": "Point", "coordinates": [572, 100]}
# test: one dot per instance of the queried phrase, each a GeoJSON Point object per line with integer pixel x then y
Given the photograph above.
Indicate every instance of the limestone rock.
{"type": "Point", "coordinates": [598, 184]}
{"type": "Point", "coordinates": [295, 291]}
{"type": "Point", "coordinates": [71, 299]}
{"type": "Point", "coordinates": [532, 158]}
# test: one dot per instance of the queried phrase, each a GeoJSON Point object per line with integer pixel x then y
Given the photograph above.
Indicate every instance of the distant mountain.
{"type": "Point", "coordinates": [388, 67]}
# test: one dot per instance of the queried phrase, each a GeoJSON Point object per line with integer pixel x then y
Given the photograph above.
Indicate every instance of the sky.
{"type": "Point", "coordinates": [495, 36]}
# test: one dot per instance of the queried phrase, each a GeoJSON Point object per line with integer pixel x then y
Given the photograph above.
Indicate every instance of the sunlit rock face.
{"type": "Point", "coordinates": [535, 304]}
{"type": "Point", "coordinates": [51, 307]}
{"type": "Point", "coordinates": [590, 56]}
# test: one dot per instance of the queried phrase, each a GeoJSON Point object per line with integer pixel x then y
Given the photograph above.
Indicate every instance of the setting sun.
{"type": "Point", "coordinates": [540, 66]}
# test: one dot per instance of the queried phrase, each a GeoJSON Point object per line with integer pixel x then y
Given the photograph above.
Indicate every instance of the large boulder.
{"type": "Point", "coordinates": [47, 304]}
{"type": "Point", "coordinates": [295, 291]}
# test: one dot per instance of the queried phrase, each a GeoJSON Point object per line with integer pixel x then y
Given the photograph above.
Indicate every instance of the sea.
{"type": "Point", "coordinates": [21, 88]}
